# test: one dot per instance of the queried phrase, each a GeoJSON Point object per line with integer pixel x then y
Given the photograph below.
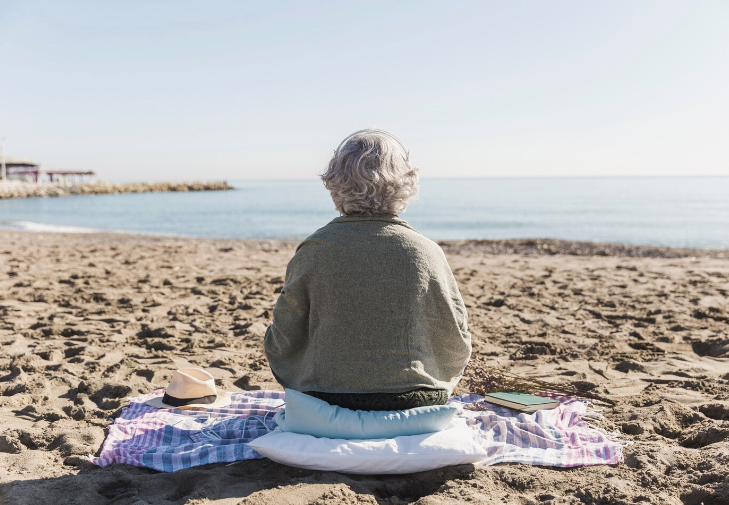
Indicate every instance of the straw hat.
{"type": "Point", "coordinates": [191, 388]}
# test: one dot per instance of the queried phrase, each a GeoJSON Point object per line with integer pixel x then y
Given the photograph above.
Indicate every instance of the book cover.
{"type": "Point", "coordinates": [521, 401]}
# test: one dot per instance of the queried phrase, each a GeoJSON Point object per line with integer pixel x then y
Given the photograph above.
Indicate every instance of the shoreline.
{"type": "Point", "coordinates": [552, 247]}
{"type": "Point", "coordinates": [13, 190]}
{"type": "Point", "coordinates": [490, 247]}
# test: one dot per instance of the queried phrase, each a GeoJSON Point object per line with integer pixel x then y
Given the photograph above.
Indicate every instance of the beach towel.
{"type": "Point", "coordinates": [171, 440]}
{"type": "Point", "coordinates": [565, 436]}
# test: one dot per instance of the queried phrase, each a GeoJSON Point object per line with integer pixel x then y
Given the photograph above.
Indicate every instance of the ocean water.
{"type": "Point", "coordinates": [670, 211]}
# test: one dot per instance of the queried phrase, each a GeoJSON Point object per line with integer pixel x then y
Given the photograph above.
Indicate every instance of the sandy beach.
{"type": "Point", "coordinates": [89, 320]}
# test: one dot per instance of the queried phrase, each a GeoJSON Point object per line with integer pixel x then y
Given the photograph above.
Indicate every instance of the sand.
{"type": "Point", "coordinates": [89, 320]}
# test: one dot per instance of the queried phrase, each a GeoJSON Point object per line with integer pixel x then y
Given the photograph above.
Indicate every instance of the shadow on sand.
{"type": "Point", "coordinates": [246, 482]}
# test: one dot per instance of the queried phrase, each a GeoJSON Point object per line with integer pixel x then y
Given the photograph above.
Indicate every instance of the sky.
{"type": "Point", "coordinates": [141, 90]}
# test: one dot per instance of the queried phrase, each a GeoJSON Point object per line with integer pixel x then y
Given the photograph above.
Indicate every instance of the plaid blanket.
{"type": "Point", "coordinates": [170, 440]}
{"type": "Point", "coordinates": [556, 437]}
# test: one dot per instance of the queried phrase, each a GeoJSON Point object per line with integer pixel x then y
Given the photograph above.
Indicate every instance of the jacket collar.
{"type": "Point", "coordinates": [387, 218]}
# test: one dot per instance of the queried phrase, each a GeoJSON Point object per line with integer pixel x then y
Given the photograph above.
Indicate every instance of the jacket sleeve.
{"type": "Point", "coordinates": [465, 343]}
{"type": "Point", "coordinates": [459, 348]}
{"type": "Point", "coordinates": [288, 337]}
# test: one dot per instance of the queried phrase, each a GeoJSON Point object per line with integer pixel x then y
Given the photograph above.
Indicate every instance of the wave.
{"type": "Point", "coordinates": [29, 226]}
{"type": "Point", "coordinates": [41, 227]}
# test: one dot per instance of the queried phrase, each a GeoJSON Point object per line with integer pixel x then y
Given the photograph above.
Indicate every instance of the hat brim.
{"type": "Point", "coordinates": [222, 401]}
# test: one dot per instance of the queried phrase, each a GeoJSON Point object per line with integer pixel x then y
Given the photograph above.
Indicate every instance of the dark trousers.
{"type": "Point", "coordinates": [384, 401]}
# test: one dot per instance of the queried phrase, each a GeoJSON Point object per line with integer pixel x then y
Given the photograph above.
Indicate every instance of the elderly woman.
{"type": "Point", "coordinates": [370, 316]}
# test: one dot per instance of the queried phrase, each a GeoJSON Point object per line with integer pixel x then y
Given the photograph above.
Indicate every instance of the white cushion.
{"type": "Point", "coordinates": [456, 445]}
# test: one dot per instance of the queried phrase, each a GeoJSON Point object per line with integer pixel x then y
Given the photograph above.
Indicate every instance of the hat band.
{"type": "Point", "coordinates": [181, 402]}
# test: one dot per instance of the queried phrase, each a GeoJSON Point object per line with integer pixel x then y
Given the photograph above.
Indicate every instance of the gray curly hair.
{"type": "Point", "coordinates": [370, 173]}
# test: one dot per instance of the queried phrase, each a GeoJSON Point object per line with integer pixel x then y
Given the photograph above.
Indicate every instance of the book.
{"type": "Point", "coordinates": [521, 401]}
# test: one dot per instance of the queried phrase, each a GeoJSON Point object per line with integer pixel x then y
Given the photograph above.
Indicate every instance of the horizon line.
{"type": "Point", "coordinates": [436, 177]}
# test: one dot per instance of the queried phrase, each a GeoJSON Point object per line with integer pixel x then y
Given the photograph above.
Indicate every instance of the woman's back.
{"type": "Point", "coordinates": [369, 305]}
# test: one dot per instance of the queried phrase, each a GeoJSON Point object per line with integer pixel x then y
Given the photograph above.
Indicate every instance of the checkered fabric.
{"type": "Point", "coordinates": [170, 440]}
{"type": "Point", "coordinates": [556, 437]}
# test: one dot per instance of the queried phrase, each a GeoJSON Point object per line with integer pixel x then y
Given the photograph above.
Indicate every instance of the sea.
{"type": "Point", "coordinates": [663, 211]}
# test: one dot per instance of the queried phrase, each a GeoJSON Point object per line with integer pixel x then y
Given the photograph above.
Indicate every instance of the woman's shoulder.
{"type": "Point", "coordinates": [317, 239]}
{"type": "Point", "coordinates": [345, 231]}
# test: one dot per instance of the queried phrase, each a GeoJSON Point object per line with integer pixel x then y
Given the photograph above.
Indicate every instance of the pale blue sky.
{"type": "Point", "coordinates": [234, 89]}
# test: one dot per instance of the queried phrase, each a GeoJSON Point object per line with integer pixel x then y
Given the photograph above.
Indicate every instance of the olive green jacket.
{"type": "Point", "coordinates": [368, 305]}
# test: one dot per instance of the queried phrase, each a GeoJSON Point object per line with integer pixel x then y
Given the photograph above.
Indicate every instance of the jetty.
{"type": "Point", "coordinates": [20, 169]}
{"type": "Point", "coordinates": [19, 189]}
{"type": "Point", "coordinates": [23, 178]}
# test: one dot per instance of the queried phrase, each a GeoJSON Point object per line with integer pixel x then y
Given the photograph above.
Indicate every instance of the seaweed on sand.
{"type": "Point", "coordinates": [482, 379]}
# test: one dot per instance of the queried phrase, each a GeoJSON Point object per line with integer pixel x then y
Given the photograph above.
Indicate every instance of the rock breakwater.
{"type": "Point", "coordinates": [30, 190]}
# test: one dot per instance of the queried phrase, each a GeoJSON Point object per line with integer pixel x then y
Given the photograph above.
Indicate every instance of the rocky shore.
{"type": "Point", "coordinates": [30, 190]}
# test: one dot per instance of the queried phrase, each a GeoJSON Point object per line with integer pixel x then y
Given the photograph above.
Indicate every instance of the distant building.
{"type": "Point", "coordinates": [21, 170]}
{"type": "Point", "coordinates": [18, 169]}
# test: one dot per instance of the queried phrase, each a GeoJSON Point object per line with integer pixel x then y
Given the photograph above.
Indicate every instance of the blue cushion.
{"type": "Point", "coordinates": [312, 416]}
